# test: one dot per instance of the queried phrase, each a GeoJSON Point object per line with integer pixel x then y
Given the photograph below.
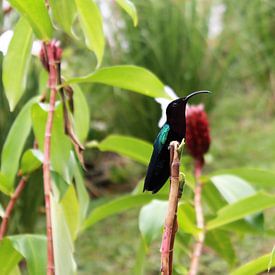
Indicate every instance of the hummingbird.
{"type": "Point", "coordinates": [174, 129]}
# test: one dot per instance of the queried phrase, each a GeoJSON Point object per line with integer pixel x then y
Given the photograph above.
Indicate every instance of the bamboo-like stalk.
{"type": "Point", "coordinates": [4, 224]}
{"type": "Point", "coordinates": [197, 251]}
{"type": "Point", "coordinates": [49, 50]}
{"type": "Point", "coordinates": [171, 226]}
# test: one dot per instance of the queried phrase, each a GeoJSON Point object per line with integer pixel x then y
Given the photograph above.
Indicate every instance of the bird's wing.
{"type": "Point", "coordinates": [161, 138]}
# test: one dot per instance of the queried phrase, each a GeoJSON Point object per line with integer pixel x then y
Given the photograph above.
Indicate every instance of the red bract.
{"type": "Point", "coordinates": [197, 132]}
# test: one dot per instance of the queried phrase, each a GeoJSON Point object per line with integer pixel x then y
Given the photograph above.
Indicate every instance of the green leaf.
{"type": "Point", "coordinates": [151, 220]}
{"type": "Point", "coordinates": [31, 160]}
{"type": "Point", "coordinates": [37, 15]}
{"type": "Point", "coordinates": [258, 177]}
{"type": "Point", "coordinates": [16, 62]}
{"type": "Point", "coordinates": [9, 257]}
{"type": "Point", "coordinates": [82, 194]}
{"type": "Point", "coordinates": [255, 266]}
{"type": "Point", "coordinates": [33, 248]}
{"type": "Point", "coordinates": [60, 186]}
{"type": "Point", "coordinates": [64, 19]}
{"type": "Point", "coordinates": [5, 187]}
{"type": "Point", "coordinates": [130, 8]}
{"type": "Point", "coordinates": [14, 145]}
{"type": "Point", "coordinates": [232, 189]}
{"type": "Point", "coordinates": [117, 206]}
{"type": "Point", "coordinates": [187, 219]}
{"type": "Point", "coordinates": [219, 240]}
{"type": "Point", "coordinates": [241, 209]}
{"type": "Point", "coordinates": [130, 147]}
{"type": "Point", "coordinates": [60, 143]}
{"type": "Point", "coordinates": [2, 211]}
{"type": "Point", "coordinates": [81, 114]}
{"type": "Point", "coordinates": [128, 77]}
{"type": "Point", "coordinates": [62, 236]}
{"type": "Point", "coordinates": [92, 27]}
{"type": "Point", "coordinates": [70, 207]}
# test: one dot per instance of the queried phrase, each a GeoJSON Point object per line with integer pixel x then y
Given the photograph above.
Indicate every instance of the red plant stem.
{"type": "Point", "coordinates": [47, 156]}
{"type": "Point", "coordinates": [4, 224]}
{"type": "Point", "coordinates": [170, 227]}
{"type": "Point", "coordinates": [197, 251]}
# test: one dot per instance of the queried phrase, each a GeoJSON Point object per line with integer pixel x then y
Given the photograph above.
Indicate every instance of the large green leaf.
{"type": "Point", "coordinates": [151, 220]}
{"type": "Point", "coordinates": [258, 177]}
{"type": "Point", "coordinates": [14, 145]}
{"type": "Point", "coordinates": [81, 114]}
{"type": "Point", "coordinates": [63, 231]}
{"type": "Point", "coordinates": [33, 248]}
{"type": "Point", "coordinates": [133, 78]}
{"type": "Point", "coordinates": [256, 266]}
{"type": "Point", "coordinates": [16, 62]}
{"type": "Point", "coordinates": [117, 206]}
{"type": "Point", "coordinates": [130, 8]}
{"type": "Point", "coordinates": [92, 27]}
{"type": "Point", "coordinates": [65, 18]}
{"type": "Point", "coordinates": [60, 143]}
{"type": "Point", "coordinates": [9, 257]}
{"type": "Point", "coordinates": [220, 242]}
{"type": "Point", "coordinates": [232, 189]}
{"type": "Point", "coordinates": [241, 209]}
{"type": "Point", "coordinates": [134, 148]}
{"type": "Point", "coordinates": [187, 219]}
{"type": "Point", "coordinates": [37, 15]}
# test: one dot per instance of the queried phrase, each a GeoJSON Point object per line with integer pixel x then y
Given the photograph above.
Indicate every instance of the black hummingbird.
{"type": "Point", "coordinates": [173, 130]}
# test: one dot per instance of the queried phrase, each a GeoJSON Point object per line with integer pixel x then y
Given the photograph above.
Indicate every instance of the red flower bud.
{"type": "Point", "coordinates": [197, 132]}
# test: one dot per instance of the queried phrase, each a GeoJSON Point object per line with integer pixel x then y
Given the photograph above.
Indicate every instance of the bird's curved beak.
{"type": "Point", "coordinates": [195, 93]}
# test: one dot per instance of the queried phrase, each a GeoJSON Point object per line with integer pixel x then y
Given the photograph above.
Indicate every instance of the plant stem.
{"type": "Point", "coordinates": [47, 155]}
{"type": "Point", "coordinates": [11, 204]}
{"type": "Point", "coordinates": [197, 251]}
{"type": "Point", "coordinates": [171, 226]}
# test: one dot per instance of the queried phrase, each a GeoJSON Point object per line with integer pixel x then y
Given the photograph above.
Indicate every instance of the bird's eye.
{"type": "Point", "coordinates": [174, 104]}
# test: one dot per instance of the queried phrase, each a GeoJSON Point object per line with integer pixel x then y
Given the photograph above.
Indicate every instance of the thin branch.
{"type": "Point", "coordinates": [171, 226]}
{"type": "Point", "coordinates": [49, 50]}
{"type": "Point", "coordinates": [197, 251]}
{"type": "Point", "coordinates": [4, 224]}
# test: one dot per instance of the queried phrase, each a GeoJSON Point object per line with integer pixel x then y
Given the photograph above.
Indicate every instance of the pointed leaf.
{"type": "Point", "coordinates": [62, 239]}
{"type": "Point", "coordinates": [14, 144]}
{"type": "Point", "coordinates": [133, 78]}
{"type": "Point", "coordinates": [117, 206]}
{"type": "Point", "coordinates": [33, 249]}
{"type": "Point", "coordinates": [9, 257]}
{"type": "Point", "coordinates": [241, 209]}
{"type": "Point", "coordinates": [133, 148]}
{"type": "Point", "coordinates": [151, 220]}
{"type": "Point", "coordinates": [81, 114]}
{"type": "Point", "coordinates": [16, 62]}
{"type": "Point", "coordinates": [130, 8]}
{"type": "Point", "coordinates": [37, 15]}
{"type": "Point", "coordinates": [92, 27]}
{"type": "Point", "coordinates": [65, 18]}
{"type": "Point", "coordinates": [256, 266]}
